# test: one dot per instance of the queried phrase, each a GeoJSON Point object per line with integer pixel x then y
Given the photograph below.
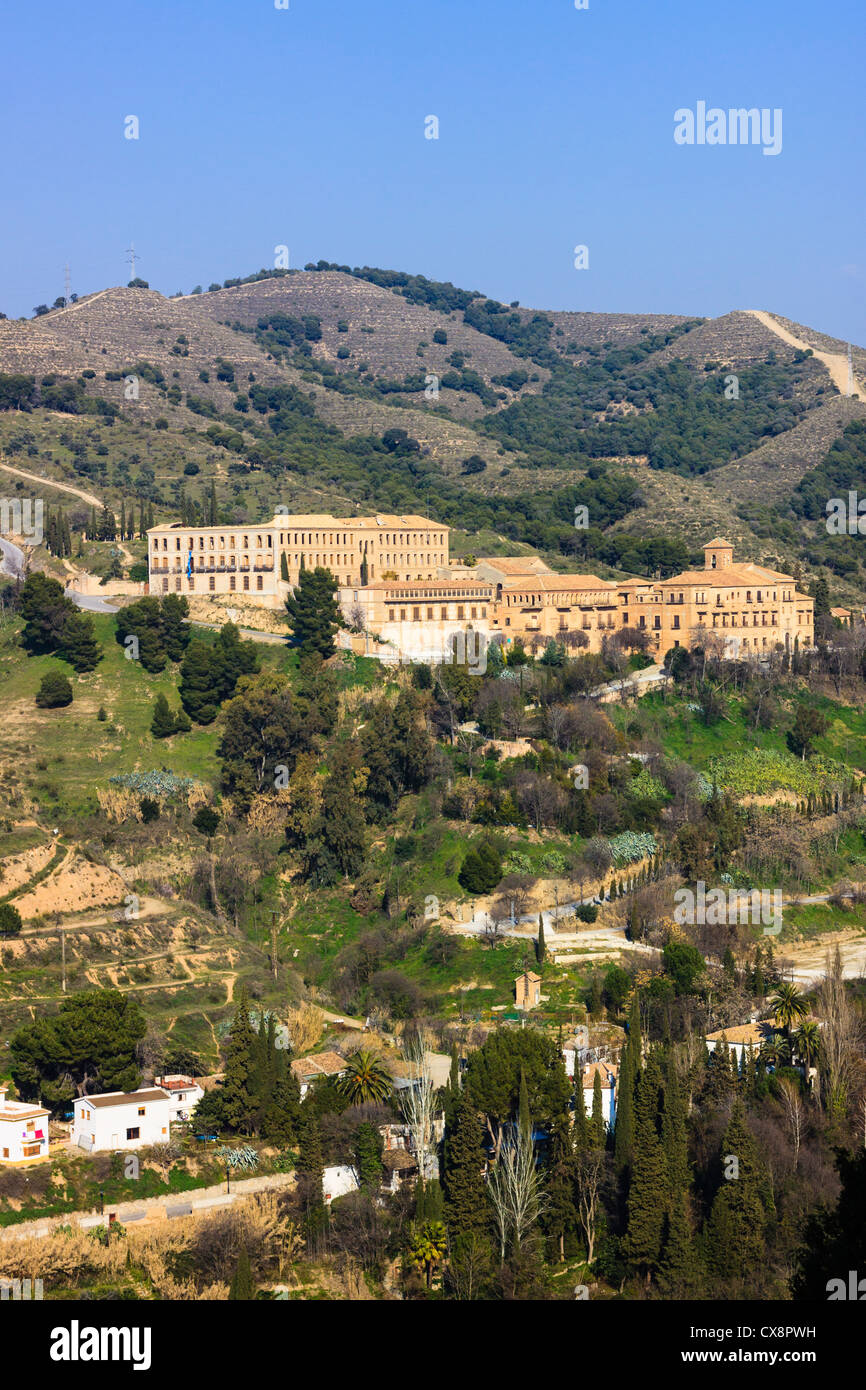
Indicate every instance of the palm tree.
{"type": "Point", "coordinates": [807, 1042]}
{"type": "Point", "coordinates": [365, 1079]}
{"type": "Point", "coordinates": [427, 1247]}
{"type": "Point", "coordinates": [788, 1006]}
{"type": "Point", "coordinates": [775, 1051]}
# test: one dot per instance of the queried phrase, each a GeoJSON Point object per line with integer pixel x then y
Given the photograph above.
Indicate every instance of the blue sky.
{"type": "Point", "coordinates": [305, 127]}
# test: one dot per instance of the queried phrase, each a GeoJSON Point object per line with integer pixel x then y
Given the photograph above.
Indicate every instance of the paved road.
{"type": "Point", "coordinates": [92, 602]}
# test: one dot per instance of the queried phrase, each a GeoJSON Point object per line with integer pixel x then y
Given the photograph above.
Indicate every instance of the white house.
{"type": "Point", "coordinates": [573, 1049]}
{"type": "Point", "coordinates": [184, 1095]}
{"type": "Point", "coordinates": [741, 1038]}
{"type": "Point", "coordinates": [608, 1072]}
{"type": "Point", "coordinates": [338, 1181]}
{"type": "Point", "coordinates": [122, 1119]}
{"type": "Point", "coordinates": [23, 1130]}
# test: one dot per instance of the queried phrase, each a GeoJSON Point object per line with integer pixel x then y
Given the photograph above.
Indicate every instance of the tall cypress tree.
{"type": "Point", "coordinates": [540, 949]}
{"type": "Point", "coordinates": [237, 1096]}
{"type": "Point", "coordinates": [680, 1272]}
{"type": "Point", "coordinates": [674, 1135]}
{"type": "Point", "coordinates": [736, 1229]}
{"type": "Point", "coordinates": [559, 1216]}
{"type": "Point", "coordinates": [629, 1069]}
{"type": "Point", "coordinates": [466, 1206]}
{"type": "Point", "coordinates": [650, 1184]}
{"type": "Point", "coordinates": [597, 1126]}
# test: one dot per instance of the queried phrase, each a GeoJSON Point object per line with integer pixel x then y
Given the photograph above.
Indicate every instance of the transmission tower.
{"type": "Point", "coordinates": [132, 257]}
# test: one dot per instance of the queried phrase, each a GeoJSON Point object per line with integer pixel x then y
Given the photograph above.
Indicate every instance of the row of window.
{"type": "Point", "coordinates": [443, 614]}
{"type": "Point", "coordinates": [190, 583]}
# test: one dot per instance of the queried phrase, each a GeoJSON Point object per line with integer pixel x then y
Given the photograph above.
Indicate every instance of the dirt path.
{"type": "Point", "coordinates": [87, 497]}
{"type": "Point", "coordinates": [835, 362]}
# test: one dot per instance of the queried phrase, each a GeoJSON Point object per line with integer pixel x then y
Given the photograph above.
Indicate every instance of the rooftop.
{"type": "Point", "coordinates": [109, 1098]}
{"type": "Point", "coordinates": [319, 1064]}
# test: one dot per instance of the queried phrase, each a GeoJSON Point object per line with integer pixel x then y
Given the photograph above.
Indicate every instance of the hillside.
{"type": "Point", "coordinates": [287, 388]}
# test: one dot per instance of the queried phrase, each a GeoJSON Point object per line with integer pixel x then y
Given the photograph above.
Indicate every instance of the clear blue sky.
{"type": "Point", "coordinates": [305, 126]}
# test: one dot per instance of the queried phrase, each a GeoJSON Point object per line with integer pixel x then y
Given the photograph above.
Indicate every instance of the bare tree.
{"type": "Point", "coordinates": [590, 1171]}
{"type": "Point", "coordinates": [418, 1103]}
{"type": "Point", "coordinates": [840, 1038]}
{"type": "Point", "coordinates": [794, 1115]}
{"type": "Point", "coordinates": [514, 1189]}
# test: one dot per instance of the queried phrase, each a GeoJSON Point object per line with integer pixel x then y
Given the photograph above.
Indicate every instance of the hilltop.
{"type": "Point", "coordinates": [337, 388]}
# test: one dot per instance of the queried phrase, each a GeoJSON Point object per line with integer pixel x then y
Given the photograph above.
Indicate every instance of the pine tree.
{"type": "Point", "coordinates": [314, 613]}
{"type": "Point", "coordinates": [466, 1206]}
{"type": "Point", "coordinates": [78, 642]}
{"type": "Point", "coordinates": [162, 724]}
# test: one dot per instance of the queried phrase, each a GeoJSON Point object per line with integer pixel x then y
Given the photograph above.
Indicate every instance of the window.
{"type": "Point", "coordinates": [259, 581]}
{"type": "Point", "coordinates": [133, 1133]}
{"type": "Point", "coordinates": [211, 583]}
{"type": "Point", "coordinates": [232, 582]}
{"type": "Point", "coordinates": [141, 1110]}
{"type": "Point", "coordinates": [246, 581]}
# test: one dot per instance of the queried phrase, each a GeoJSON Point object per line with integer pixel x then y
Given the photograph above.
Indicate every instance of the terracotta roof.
{"type": "Point", "coordinates": [754, 1033]}
{"type": "Point", "coordinates": [608, 1071]}
{"type": "Point", "coordinates": [729, 577]}
{"type": "Point", "coordinates": [555, 583]}
{"type": "Point", "coordinates": [452, 585]}
{"type": "Point", "coordinates": [719, 540]}
{"type": "Point", "coordinates": [109, 1098]}
{"type": "Point", "coordinates": [319, 1064]}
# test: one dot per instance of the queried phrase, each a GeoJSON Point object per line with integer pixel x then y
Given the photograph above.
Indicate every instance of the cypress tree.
{"type": "Point", "coordinates": [650, 1184]}
{"type": "Point", "coordinates": [237, 1096]}
{"type": "Point", "coordinates": [581, 1124]}
{"type": "Point", "coordinates": [524, 1119]}
{"type": "Point", "coordinates": [284, 567]}
{"type": "Point", "coordinates": [680, 1272]}
{"type": "Point", "coordinates": [560, 1217]}
{"type": "Point", "coordinates": [368, 1155]}
{"type": "Point", "coordinates": [597, 1126]}
{"type": "Point", "coordinates": [466, 1207]}
{"type": "Point", "coordinates": [674, 1133]}
{"type": "Point", "coordinates": [735, 1231]}
{"type": "Point", "coordinates": [629, 1068]}
{"type": "Point", "coordinates": [540, 949]}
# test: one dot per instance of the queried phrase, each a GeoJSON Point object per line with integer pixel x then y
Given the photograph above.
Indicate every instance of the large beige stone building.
{"type": "Point", "coordinates": [737, 609]}
{"type": "Point", "coordinates": [397, 584]}
{"type": "Point", "coordinates": [248, 559]}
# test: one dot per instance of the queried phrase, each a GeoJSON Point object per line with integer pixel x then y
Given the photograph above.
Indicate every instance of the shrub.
{"type": "Point", "coordinates": [54, 691]}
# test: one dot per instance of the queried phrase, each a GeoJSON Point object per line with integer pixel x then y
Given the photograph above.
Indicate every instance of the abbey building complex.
{"type": "Point", "coordinates": [398, 587]}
